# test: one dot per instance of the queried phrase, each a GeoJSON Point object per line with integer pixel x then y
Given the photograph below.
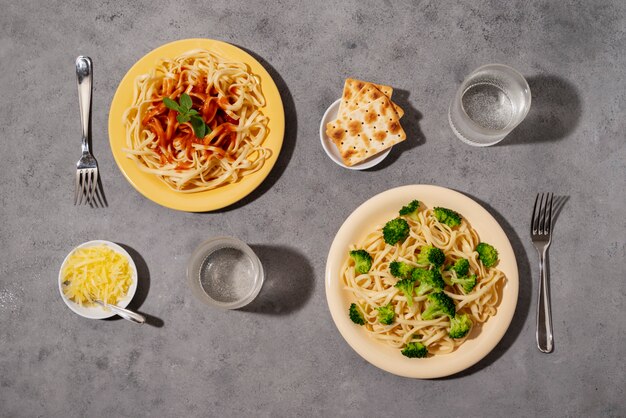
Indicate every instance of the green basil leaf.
{"type": "Point", "coordinates": [171, 104]}
{"type": "Point", "coordinates": [201, 131]}
{"type": "Point", "coordinates": [192, 112]}
{"type": "Point", "coordinates": [185, 101]}
{"type": "Point", "coordinates": [199, 127]}
{"type": "Point", "coordinates": [182, 118]}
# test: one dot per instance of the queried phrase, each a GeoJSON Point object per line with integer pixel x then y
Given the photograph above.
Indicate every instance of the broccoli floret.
{"type": "Point", "coordinates": [355, 315]}
{"type": "Point", "coordinates": [410, 210]}
{"type": "Point", "coordinates": [428, 280]}
{"type": "Point", "coordinates": [447, 216]}
{"type": "Point", "coordinates": [460, 326]}
{"type": "Point", "coordinates": [362, 261]}
{"type": "Point", "coordinates": [386, 314]}
{"type": "Point", "coordinates": [415, 350]}
{"type": "Point", "coordinates": [431, 255]}
{"type": "Point", "coordinates": [467, 282]}
{"type": "Point", "coordinates": [396, 230]}
{"type": "Point", "coordinates": [487, 254]}
{"type": "Point", "coordinates": [461, 266]}
{"type": "Point", "coordinates": [401, 269]}
{"type": "Point", "coordinates": [439, 304]}
{"type": "Point", "coordinates": [407, 286]}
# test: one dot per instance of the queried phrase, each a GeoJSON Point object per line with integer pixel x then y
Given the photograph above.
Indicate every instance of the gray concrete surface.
{"type": "Point", "coordinates": [283, 356]}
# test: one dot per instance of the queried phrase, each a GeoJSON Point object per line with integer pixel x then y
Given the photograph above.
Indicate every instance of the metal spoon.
{"type": "Point", "coordinates": [124, 313]}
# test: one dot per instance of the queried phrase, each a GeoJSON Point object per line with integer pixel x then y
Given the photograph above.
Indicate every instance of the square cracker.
{"type": "Point", "coordinates": [366, 131]}
{"type": "Point", "coordinates": [352, 87]}
{"type": "Point", "coordinates": [368, 94]}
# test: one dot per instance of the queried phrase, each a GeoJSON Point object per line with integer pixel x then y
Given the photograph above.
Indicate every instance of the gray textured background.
{"type": "Point", "coordinates": [283, 356]}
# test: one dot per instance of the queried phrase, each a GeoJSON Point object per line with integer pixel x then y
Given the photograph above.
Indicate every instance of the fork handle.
{"type": "Point", "coordinates": [124, 313]}
{"type": "Point", "coordinates": [544, 314]}
{"type": "Point", "coordinates": [83, 78]}
{"type": "Point", "coordinates": [128, 315]}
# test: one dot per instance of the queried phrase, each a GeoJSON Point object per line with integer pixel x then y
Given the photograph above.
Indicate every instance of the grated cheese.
{"type": "Point", "coordinates": [96, 273]}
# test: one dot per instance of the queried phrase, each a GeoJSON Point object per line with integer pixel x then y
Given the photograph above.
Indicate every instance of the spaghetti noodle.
{"type": "Point", "coordinates": [225, 95]}
{"type": "Point", "coordinates": [376, 288]}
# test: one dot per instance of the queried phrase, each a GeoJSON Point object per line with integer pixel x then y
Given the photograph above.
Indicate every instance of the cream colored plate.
{"type": "Point", "coordinates": [377, 211]}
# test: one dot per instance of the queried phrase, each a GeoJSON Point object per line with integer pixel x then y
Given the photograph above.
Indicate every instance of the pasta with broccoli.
{"type": "Point", "coordinates": [422, 281]}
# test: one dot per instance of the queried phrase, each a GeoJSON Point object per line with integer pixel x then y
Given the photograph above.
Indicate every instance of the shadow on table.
{"type": "Point", "coordinates": [410, 124]}
{"type": "Point", "coordinates": [289, 281]}
{"type": "Point", "coordinates": [143, 288]}
{"type": "Point", "coordinates": [99, 197]}
{"type": "Point", "coordinates": [559, 203]}
{"type": "Point", "coordinates": [289, 140]}
{"type": "Point", "coordinates": [523, 300]}
{"type": "Point", "coordinates": [554, 112]}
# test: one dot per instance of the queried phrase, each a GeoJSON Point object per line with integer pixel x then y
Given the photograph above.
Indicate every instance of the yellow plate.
{"type": "Point", "coordinates": [150, 185]}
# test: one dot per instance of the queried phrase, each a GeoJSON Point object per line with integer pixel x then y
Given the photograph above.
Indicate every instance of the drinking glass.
{"type": "Point", "coordinates": [224, 272]}
{"type": "Point", "coordinates": [489, 104]}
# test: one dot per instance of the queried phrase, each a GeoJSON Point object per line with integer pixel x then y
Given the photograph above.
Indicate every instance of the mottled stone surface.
{"type": "Point", "coordinates": [283, 356]}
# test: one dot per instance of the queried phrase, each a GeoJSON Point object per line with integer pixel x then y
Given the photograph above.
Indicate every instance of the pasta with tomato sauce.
{"type": "Point", "coordinates": [227, 98]}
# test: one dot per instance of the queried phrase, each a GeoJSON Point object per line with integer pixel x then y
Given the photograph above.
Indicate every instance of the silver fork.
{"type": "Point", "coordinates": [541, 234]}
{"type": "Point", "coordinates": [87, 166]}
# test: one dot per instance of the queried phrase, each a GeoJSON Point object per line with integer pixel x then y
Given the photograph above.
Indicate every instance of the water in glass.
{"type": "Point", "coordinates": [490, 102]}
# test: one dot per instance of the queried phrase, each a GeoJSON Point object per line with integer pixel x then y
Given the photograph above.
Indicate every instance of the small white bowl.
{"type": "Point", "coordinates": [97, 311]}
{"type": "Point", "coordinates": [333, 152]}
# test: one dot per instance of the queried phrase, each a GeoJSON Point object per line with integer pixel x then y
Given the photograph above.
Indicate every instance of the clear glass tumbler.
{"type": "Point", "coordinates": [224, 272]}
{"type": "Point", "coordinates": [489, 104]}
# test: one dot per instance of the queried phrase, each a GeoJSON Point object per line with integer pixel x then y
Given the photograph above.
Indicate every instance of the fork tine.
{"type": "Point", "coordinates": [539, 215]}
{"type": "Point", "coordinates": [92, 201]}
{"type": "Point", "coordinates": [85, 177]}
{"type": "Point", "coordinates": [533, 222]}
{"type": "Point", "coordinates": [548, 227]}
{"type": "Point", "coordinates": [76, 187]}
{"type": "Point", "coordinates": [93, 185]}
{"type": "Point", "coordinates": [82, 186]}
{"type": "Point", "coordinates": [538, 225]}
{"type": "Point", "coordinates": [542, 213]}
{"type": "Point", "coordinates": [87, 186]}
{"type": "Point", "coordinates": [88, 189]}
